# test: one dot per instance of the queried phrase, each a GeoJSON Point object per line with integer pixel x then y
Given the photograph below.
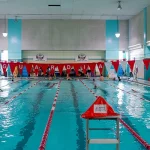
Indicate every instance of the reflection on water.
{"type": "Point", "coordinates": [120, 93]}
{"type": "Point", "coordinates": [5, 120]}
{"type": "Point", "coordinates": [4, 83]}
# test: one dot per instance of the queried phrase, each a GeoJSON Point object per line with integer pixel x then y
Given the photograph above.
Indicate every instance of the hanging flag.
{"type": "Point", "coordinates": [92, 67]}
{"type": "Point", "coordinates": [139, 68]}
{"type": "Point", "coordinates": [36, 68]}
{"type": "Point", "coordinates": [12, 66]}
{"type": "Point", "coordinates": [108, 65]}
{"type": "Point", "coordinates": [131, 64]}
{"type": "Point", "coordinates": [68, 68]}
{"type": "Point", "coordinates": [123, 65]}
{"type": "Point", "coordinates": [52, 68]}
{"type": "Point", "coordinates": [99, 109]}
{"type": "Point", "coordinates": [84, 67]}
{"type": "Point", "coordinates": [116, 65]}
{"type": "Point", "coordinates": [100, 67]}
{"type": "Point", "coordinates": [76, 67]}
{"type": "Point", "coordinates": [146, 63]}
{"type": "Point", "coordinates": [28, 67]}
{"type": "Point", "coordinates": [4, 67]}
{"type": "Point", "coordinates": [20, 67]}
{"type": "Point", "coordinates": [60, 68]}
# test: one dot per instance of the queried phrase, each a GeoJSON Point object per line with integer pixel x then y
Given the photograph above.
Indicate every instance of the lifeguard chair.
{"type": "Point", "coordinates": [101, 110]}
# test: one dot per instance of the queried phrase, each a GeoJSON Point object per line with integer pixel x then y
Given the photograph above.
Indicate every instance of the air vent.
{"type": "Point", "coordinates": [54, 5]}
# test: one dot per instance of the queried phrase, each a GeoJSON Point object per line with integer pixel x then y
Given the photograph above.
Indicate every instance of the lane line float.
{"type": "Point", "coordinates": [47, 128]}
{"type": "Point", "coordinates": [138, 137]}
{"type": "Point", "coordinates": [20, 93]}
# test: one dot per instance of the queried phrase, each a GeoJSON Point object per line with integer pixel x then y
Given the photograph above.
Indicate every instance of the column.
{"type": "Point", "coordinates": [14, 40]}
{"type": "Point", "coordinates": [112, 43]}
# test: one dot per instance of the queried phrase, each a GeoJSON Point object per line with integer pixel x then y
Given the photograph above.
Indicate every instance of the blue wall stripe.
{"type": "Point", "coordinates": [112, 43]}
{"type": "Point", "coordinates": [14, 39]}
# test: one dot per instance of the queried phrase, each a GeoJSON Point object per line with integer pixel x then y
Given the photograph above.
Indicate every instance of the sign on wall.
{"type": "Point", "coordinates": [40, 57]}
{"type": "Point", "coordinates": [81, 57]}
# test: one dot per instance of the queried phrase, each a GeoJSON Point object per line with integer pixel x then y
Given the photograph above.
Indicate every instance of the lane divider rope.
{"type": "Point", "coordinates": [47, 128]}
{"type": "Point", "coordinates": [127, 92]}
{"type": "Point", "coordinates": [143, 142]}
{"type": "Point", "coordinates": [11, 99]}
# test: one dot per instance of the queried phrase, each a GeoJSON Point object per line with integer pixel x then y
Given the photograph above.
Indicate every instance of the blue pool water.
{"type": "Point", "coordinates": [23, 120]}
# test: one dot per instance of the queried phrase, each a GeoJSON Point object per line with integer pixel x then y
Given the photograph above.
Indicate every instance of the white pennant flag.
{"type": "Point", "coordinates": [108, 66]}
{"type": "Point", "coordinates": [123, 65]}
{"type": "Point", "coordinates": [140, 68]}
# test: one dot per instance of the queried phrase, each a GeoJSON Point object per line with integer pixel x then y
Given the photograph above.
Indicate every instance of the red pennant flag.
{"type": "Point", "coordinates": [99, 109]}
{"type": "Point", "coordinates": [4, 66]}
{"type": "Point", "coordinates": [116, 65]}
{"type": "Point", "coordinates": [100, 66]}
{"type": "Point", "coordinates": [146, 63]}
{"type": "Point", "coordinates": [52, 68]}
{"type": "Point", "coordinates": [28, 67]}
{"type": "Point", "coordinates": [76, 67]}
{"type": "Point", "coordinates": [12, 66]}
{"type": "Point", "coordinates": [20, 67]}
{"type": "Point", "coordinates": [92, 67]}
{"type": "Point", "coordinates": [36, 68]}
{"type": "Point", "coordinates": [84, 67]}
{"type": "Point", "coordinates": [68, 67]}
{"type": "Point", "coordinates": [60, 68]}
{"type": "Point", "coordinates": [131, 64]}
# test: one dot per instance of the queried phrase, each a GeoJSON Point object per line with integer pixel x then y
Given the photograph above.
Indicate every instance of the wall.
{"type": "Point", "coordinates": [63, 35]}
{"type": "Point", "coordinates": [136, 35]}
{"type": "Point", "coordinates": [3, 41]}
{"type": "Point", "coordinates": [124, 32]}
{"type": "Point", "coordinates": [63, 56]}
{"type": "Point", "coordinates": [148, 23]}
{"type": "Point", "coordinates": [136, 25]}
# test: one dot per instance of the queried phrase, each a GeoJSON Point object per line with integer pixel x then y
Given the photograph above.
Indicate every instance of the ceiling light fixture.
{"type": "Point", "coordinates": [117, 34]}
{"type": "Point", "coordinates": [5, 33]}
{"type": "Point", "coordinates": [119, 5]}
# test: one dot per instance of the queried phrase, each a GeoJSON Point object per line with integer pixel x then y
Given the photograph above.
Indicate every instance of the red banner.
{"type": "Point", "coordinates": [12, 66]}
{"type": "Point", "coordinates": [84, 67]}
{"type": "Point", "coordinates": [52, 68]}
{"type": "Point", "coordinates": [20, 67]}
{"type": "Point", "coordinates": [60, 68]}
{"type": "Point", "coordinates": [68, 68]}
{"type": "Point", "coordinates": [100, 67]}
{"type": "Point", "coordinates": [131, 64]}
{"type": "Point", "coordinates": [116, 65]}
{"type": "Point", "coordinates": [28, 67]}
{"type": "Point", "coordinates": [76, 67]}
{"type": "Point", "coordinates": [36, 68]}
{"type": "Point", "coordinates": [4, 67]}
{"type": "Point", "coordinates": [44, 67]}
{"type": "Point", "coordinates": [92, 67]}
{"type": "Point", "coordinates": [146, 63]}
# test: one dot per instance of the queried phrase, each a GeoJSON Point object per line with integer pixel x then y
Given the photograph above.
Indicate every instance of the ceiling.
{"type": "Point", "coordinates": [71, 9]}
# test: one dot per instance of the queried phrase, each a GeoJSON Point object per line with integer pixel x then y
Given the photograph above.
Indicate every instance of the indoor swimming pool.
{"type": "Point", "coordinates": [25, 106]}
